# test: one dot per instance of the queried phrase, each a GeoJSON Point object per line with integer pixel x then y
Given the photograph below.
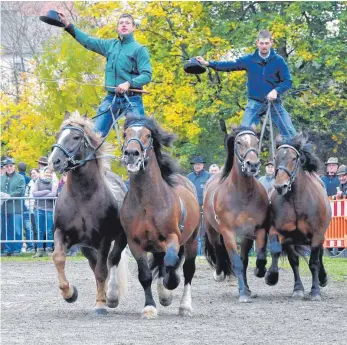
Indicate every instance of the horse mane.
{"type": "Point", "coordinates": [75, 119]}
{"type": "Point", "coordinates": [308, 159]}
{"type": "Point", "coordinates": [167, 165]}
{"type": "Point", "coordinates": [230, 144]}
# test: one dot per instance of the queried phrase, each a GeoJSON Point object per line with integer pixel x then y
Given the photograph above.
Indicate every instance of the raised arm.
{"type": "Point", "coordinates": [224, 66]}
{"type": "Point", "coordinates": [96, 45]}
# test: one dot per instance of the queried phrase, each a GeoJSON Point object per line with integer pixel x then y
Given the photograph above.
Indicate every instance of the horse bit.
{"type": "Point", "coordinates": [242, 159]}
{"type": "Point", "coordinates": [292, 173]}
{"type": "Point", "coordinates": [85, 142]}
{"type": "Point", "coordinates": [144, 157]}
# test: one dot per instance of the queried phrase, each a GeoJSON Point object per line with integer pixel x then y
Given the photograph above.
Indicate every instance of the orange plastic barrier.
{"type": "Point", "coordinates": [336, 235]}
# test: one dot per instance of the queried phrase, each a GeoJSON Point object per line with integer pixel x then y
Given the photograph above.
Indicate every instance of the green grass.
{"type": "Point", "coordinates": [335, 267]}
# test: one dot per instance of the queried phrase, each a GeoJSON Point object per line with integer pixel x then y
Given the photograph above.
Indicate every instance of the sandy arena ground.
{"type": "Point", "coordinates": [33, 312]}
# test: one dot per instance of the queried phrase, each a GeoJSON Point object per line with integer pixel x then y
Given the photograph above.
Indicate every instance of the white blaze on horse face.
{"type": "Point", "coordinates": [63, 135]}
{"type": "Point", "coordinates": [137, 129]}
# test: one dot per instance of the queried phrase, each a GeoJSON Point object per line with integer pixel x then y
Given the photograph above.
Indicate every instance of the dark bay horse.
{"type": "Point", "coordinates": [300, 213]}
{"type": "Point", "coordinates": [88, 211]}
{"type": "Point", "coordinates": [160, 214]}
{"type": "Point", "coordinates": [236, 205]}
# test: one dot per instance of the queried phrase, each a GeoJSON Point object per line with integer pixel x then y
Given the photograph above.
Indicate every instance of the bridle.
{"type": "Point", "coordinates": [144, 156]}
{"type": "Point", "coordinates": [291, 174]}
{"type": "Point", "coordinates": [71, 163]}
{"type": "Point", "coordinates": [242, 158]}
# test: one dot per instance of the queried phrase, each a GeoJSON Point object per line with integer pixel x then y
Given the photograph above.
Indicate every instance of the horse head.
{"type": "Point", "coordinates": [76, 144]}
{"type": "Point", "coordinates": [294, 154]}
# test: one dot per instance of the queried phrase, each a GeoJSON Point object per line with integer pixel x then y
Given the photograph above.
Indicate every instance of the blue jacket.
{"type": "Point", "coordinates": [264, 75]}
{"type": "Point", "coordinates": [331, 183]}
{"type": "Point", "coordinates": [199, 181]}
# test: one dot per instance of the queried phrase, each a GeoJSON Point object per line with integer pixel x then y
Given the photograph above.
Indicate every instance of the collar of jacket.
{"type": "Point", "coordinates": [256, 57]}
{"type": "Point", "coordinates": [127, 38]}
{"type": "Point", "coordinates": [199, 172]}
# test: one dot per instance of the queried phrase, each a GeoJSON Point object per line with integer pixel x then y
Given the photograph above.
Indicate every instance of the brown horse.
{"type": "Point", "coordinates": [88, 211]}
{"type": "Point", "coordinates": [300, 213]}
{"type": "Point", "coordinates": [160, 214]}
{"type": "Point", "coordinates": [236, 204]}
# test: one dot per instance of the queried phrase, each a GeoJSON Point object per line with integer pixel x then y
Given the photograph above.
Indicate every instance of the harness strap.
{"type": "Point", "coordinates": [183, 215]}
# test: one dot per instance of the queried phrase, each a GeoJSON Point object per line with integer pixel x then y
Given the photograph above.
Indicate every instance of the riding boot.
{"type": "Point", "coordinates": [40, 253]}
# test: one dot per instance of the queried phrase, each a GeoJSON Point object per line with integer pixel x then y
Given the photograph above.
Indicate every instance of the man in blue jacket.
{"type": "Point", "coordinates": [199, 177]}
{"type": "Point", "coordinates": [127, 67]}
{"type": "Point", "coordinates": [330, 180]}
{"type": "Point", "coordinates": [268, 78]}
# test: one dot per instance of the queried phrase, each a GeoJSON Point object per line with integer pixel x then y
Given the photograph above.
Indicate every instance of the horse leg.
{"type": "Point", "coordinates": [101, 272]}
{"type": "Point", "coordinates": [172, 260]}
{"type": "Point", "coordinates": [190, 252]}
{"type": "Point", "coordinates": [165, 295]}
{"type": "Point", "coordinates": [261, 241]}
{"type": "Point", "coordinates": [246, 245]}
{"type": "Point", "coordinates": [322, 275]}
{"type": "Point", "coordinates": [314, 265]}
{"type": "Point", "coordinates": [294, 263]}
{"type": "Point", "coordinates": [68, 291]}
{"type": "Point", "coordinates": [231, 247]}
{"type": "Point", "coordinates": [219, 252]}
{"type": "Point", "coordinates": [271, 277]}
{"type": "Point", "coordinates": [117, 282]}
{"type": "Point", "coordinates": [145, 278]}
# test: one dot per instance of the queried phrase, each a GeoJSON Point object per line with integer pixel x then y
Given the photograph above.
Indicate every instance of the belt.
{"type": "Point", "coordinates": [129, 94]}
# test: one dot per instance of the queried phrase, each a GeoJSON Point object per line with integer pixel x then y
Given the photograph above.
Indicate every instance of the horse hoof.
{"type": "Point", "coordinates": [112, 303]}
{"type": "Point", "coordinates": [74, 296]}
{"type": "Point", "coordinates": [218, 277]}
{"type": "Point", "coordinates": [149, 312]}
{"type": "Point", "coordinates": [298, 294]}
{"type": "Point", "coordinates": [271, 278]}
{"type": "Point", "coordinates": [171, 281]}
{"type": "Point", "coordinates": [245, 299]}
{"type": "Point", "coordinates": [260, 272]}
{"type": "Point", "coordinates": [315, 297]}
{"type": "Point", "coordinates": [100, 311]}
{"type": "Point", "coordinates": [185, 311]}
{"type": "Point", "coordinates": [324, 282]}
{"type": "Point", "coordinates": [166, 301]}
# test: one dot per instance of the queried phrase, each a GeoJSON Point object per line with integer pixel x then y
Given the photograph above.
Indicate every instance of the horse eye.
{"type": "Point", "coordinates": [148, 136]}
{"type": "Point", "coordinates": [76, 138]}
{"type": "Point", "coordinates": [238, 142]}
{"type": "Point", "coordinates": [294, 159]}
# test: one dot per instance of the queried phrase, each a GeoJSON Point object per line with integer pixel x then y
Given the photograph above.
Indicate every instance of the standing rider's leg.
{"type": "Point", "coordinates": [251, 115]}
{"type": "Point", "coordinates": [282, 120]}
{"type": "Point", "coordinates": [103, 120]}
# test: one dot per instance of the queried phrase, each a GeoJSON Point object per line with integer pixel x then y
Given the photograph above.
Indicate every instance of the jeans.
{"type": "Point", "coordinates": [44, 227]}
{"type": "Point", "coordinates": [11, 229]}
{"type": "Point", "coordinates": [28, 227]}
{"type": "Point", "coordinates": [104, 122]}
{"type": "Point", "coordinates": [283, 122]}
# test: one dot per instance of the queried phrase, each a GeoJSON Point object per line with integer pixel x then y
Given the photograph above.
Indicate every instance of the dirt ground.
{"type": "Point", "coordinates": [33, 312]}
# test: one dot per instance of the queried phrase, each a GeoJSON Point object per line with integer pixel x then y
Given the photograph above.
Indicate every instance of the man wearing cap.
{"type": "Point", "coordinates": [12, 185]}
{"type": "Point", "coordinates": [269, 179]}
{"type": "Point", "coordinates": [342, 176]}
{"type": "Point", "coordinates": [128, 66]}
{"type": "Point", "coordinates": [199, 177]}
{"type": "Point", "coordinates": [330, 180]}
{"type": "Point", "coordinates": [268, 78]}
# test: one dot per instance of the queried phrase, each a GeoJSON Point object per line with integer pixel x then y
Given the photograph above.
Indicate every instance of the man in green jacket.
{"type": "Point", "coordinates": [12, 185]}
{"type": "Point", "coordinates": [127, 67]}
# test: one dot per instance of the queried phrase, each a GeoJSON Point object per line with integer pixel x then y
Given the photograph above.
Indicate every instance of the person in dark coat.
{"type": "Point", "coordinates": [330, 180]}
{"type": "Point", "coordinates": [268, 78]}
{"type": "Point", "coordinates": [342, 176]}
{"type": "Point", "coordinates": [199, 177]}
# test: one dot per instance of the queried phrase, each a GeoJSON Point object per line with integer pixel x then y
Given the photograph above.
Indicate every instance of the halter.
{"type": "Point", "coordinates": [73, 163]}
{"type": "Point", "coordinates": [144, 157]}
{"type": "Point", "coordinates": [292, 173]}
{"type": "Point", "coordinates": [242, 159]}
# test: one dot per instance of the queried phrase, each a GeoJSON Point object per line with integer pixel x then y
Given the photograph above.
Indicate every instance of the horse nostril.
{"type": "Point", "coordinates": [136, 153]}
{"type": "Point", "coordinates": [126, 153]}
{"type": "Point", "coordinates": [56, 162]}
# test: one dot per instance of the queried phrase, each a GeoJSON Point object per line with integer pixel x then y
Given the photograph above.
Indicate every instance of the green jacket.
{"type": "Point", "coordinates": [14, 185]}
{"type": "Point", "coordinates": [127, 60]}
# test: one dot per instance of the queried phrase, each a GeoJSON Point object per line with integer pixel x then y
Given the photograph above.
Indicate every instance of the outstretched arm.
{"type": "Point", "coordinates": [96, 45]}
{"type": "Point", "coordinates": [224, 66]}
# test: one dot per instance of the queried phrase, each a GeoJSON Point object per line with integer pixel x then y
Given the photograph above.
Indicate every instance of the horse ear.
{"type": "Point", "coordinates": [85, 114]}
{"type": "Point", "coordinates": [223, 126]}
{"type": "Point", "coordinates": [233, 126]}
{"type": "Point", "coordinates": [254, 128]}
{"type": "Point", "coordinates": [66, 115]}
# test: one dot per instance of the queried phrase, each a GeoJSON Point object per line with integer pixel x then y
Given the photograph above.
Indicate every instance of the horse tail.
{"type": "Point", "coordinates": [224, 259]}
{"type": "Point", "coordinates": [122, 274]}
